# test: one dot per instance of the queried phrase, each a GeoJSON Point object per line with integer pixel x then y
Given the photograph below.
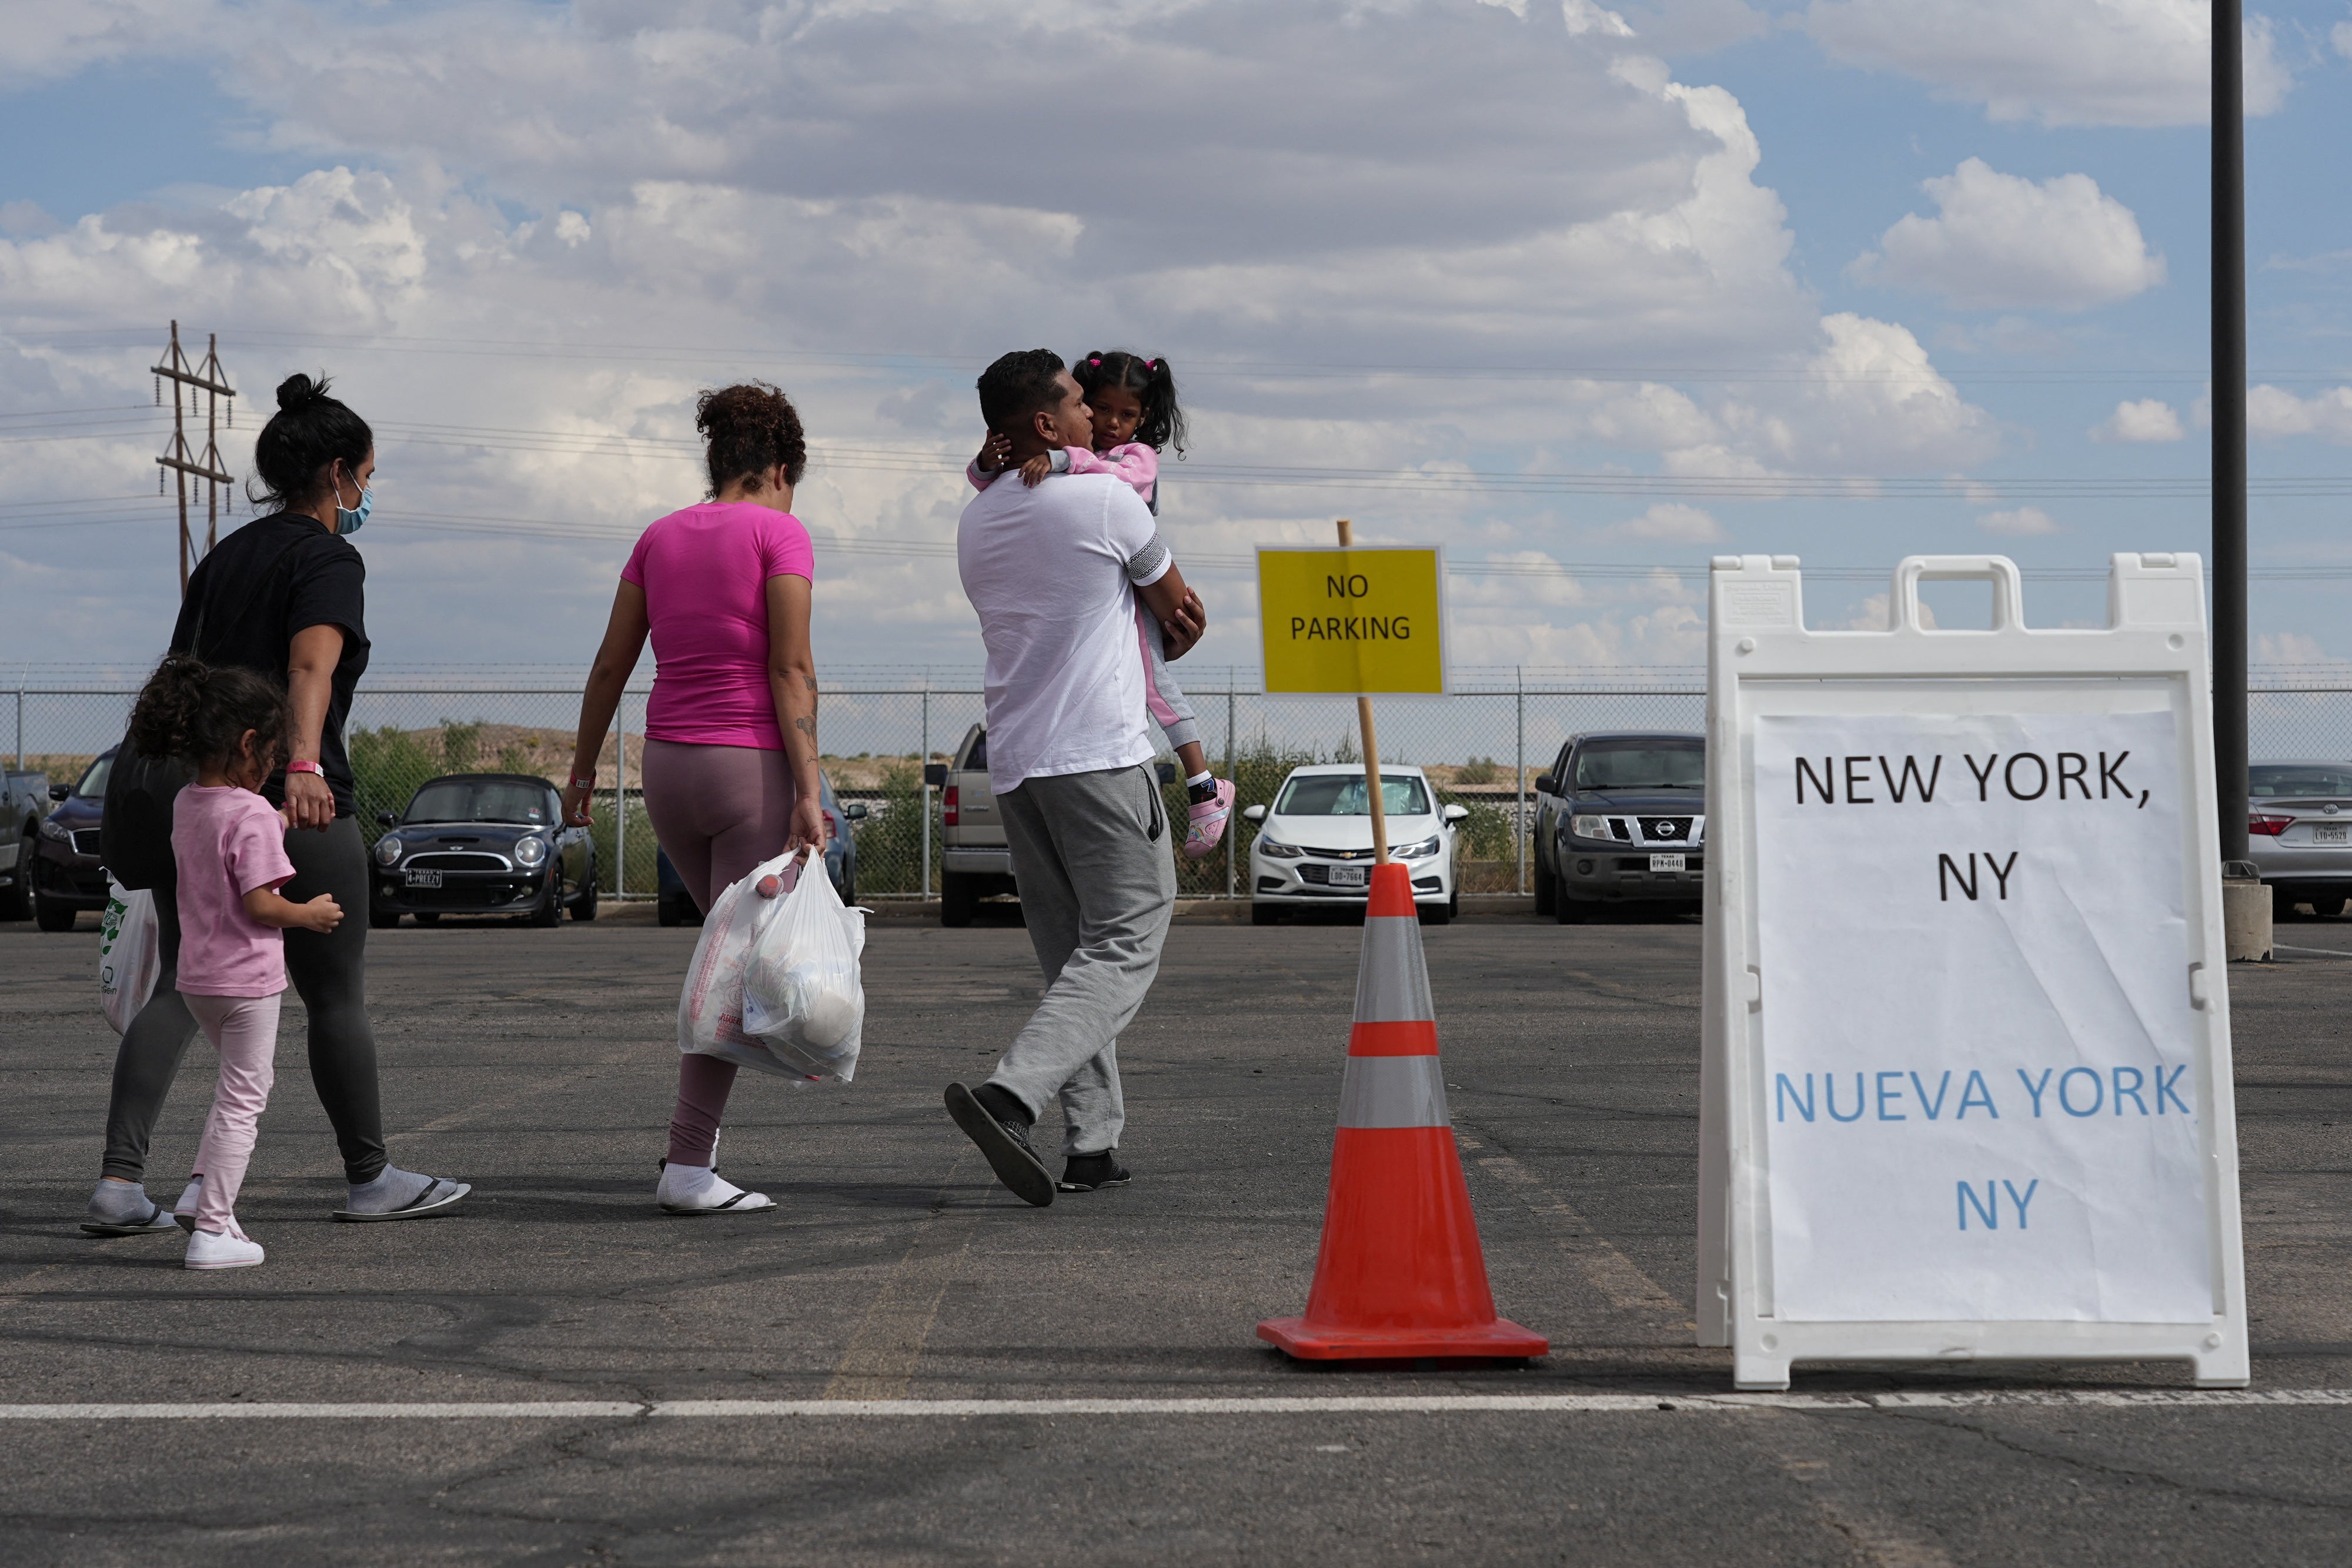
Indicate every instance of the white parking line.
{"type": "Point", "coordinates": [2318, 952]}
{"type": "Point", "coordinates": [1369, 1404]}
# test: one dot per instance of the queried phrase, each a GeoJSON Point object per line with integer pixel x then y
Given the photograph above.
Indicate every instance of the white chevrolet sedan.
{"type": "Point", "coordinates": [1315, 846]}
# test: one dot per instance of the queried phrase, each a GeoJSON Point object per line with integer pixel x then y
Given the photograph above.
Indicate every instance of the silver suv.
{"type": "Point", "coordinates": [974, 862]}
{"type": "Point", "coordinates": [2300, 832]}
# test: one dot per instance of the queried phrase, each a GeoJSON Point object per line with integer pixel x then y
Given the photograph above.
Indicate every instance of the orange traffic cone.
{"type": "Point", "coordinates": [1399, 1273]}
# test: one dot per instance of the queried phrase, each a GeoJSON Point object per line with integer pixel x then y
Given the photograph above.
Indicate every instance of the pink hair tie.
{"type": "Point", "coordinates": [1151, 364]}
{"type": "Point", "coordinates": [1094, 358]}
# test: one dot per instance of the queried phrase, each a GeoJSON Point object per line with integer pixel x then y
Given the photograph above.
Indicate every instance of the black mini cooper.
{"type": "Point", "coordinates": [482, 843]}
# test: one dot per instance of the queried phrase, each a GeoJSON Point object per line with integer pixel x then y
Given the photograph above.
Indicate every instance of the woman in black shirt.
{"type": "Point", "coordinates": [285, 595]}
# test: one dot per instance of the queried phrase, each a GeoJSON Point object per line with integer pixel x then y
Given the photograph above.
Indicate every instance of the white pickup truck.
{"type": "Point", "coordinates": [973, 862]}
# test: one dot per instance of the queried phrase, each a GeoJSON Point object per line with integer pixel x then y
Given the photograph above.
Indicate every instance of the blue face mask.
{"type": "Point", "coordinates": [347, 520]}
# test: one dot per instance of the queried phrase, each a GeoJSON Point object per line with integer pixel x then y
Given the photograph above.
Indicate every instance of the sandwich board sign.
{"type": "Point", "coordinates": [1964, 1089]}
{"type": "Point", "coordinates": [1362, 620]}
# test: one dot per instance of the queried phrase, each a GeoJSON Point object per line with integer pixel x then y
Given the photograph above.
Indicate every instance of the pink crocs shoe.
{"type": "Point", "coordinates": [1208, 821]}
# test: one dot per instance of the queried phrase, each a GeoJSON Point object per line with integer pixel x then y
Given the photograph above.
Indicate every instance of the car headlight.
{"type": "Point", "coordinates": [1584, 826]}
{"type": "Point", "coordinates": [54, 833]}
{"type": "Point", "coordinates": [387, 850]}
{"type": "Point", "coordinates": [529, 851]}
{"type": "Point", "coordinates": [1280, 851]}
{"type": "Point", "coordinates": [1420, 851]}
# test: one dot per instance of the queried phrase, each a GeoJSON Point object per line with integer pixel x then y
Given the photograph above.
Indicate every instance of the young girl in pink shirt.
{"type": "Point", "coordinates": [1133, 400]}
{"type": "Point", "coordinates": [229, 845]}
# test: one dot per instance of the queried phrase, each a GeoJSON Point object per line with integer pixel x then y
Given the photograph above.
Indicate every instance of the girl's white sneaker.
{"type": "Point", "coordinates": [183, 1213]}
{"type": "Point", "coordinates": [222, 1250]}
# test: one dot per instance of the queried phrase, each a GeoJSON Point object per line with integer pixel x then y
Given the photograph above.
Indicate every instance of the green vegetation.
{"type": "Point", "coordinates": [388, 766]}
{"type": "Point", "coordinates": [602, 827]}
{"type": "Point", "coordinates": [891, 840]}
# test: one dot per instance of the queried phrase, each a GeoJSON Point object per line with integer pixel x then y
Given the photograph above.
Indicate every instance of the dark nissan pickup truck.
{"type": "Point", "coordinates": [1621, 820]}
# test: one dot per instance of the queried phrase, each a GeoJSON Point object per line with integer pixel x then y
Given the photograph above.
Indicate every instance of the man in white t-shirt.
{"type": "Point", "coordinates": [1054, 569]}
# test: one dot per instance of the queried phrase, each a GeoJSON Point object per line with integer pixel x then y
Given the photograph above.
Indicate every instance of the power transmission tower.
{"type": "Point", "coordinates": [208, 381]}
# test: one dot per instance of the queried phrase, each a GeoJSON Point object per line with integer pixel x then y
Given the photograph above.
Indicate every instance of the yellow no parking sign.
{"type": "Point", "coordinates": [1359, 620]}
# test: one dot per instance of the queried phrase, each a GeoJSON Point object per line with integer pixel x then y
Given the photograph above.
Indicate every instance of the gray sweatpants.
{"type": "Point", "coordinates": [1091, 853]}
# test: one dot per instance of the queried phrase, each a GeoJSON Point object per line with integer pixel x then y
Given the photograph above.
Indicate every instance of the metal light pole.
{"type": "Point", "coordinates": [2230, 755]}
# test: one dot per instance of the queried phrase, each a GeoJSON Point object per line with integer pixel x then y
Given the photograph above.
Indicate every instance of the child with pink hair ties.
{"type": "Point", "coordinates": [229, 846]}
{"type": "Point", "coordinates": [1133, 400]}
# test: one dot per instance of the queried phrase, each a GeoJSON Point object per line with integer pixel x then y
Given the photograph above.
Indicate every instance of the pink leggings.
{"type": "Point", "coordinates": [719, 811]}
{"type": "Point", "coordinates": [244, 1029]}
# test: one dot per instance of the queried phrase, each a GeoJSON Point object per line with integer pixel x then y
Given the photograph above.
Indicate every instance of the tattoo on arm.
{"type": "Point", "coordinates": [812, 681]}
{"type": "Point", "coordinates": [806, 725]}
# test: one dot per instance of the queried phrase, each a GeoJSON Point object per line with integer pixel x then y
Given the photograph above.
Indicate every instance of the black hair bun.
{"type": "Point", "coordinates": [298, 391]}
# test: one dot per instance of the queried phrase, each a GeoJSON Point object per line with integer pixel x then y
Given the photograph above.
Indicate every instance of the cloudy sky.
{"type": "Point", "coordinates": [1586, 294]}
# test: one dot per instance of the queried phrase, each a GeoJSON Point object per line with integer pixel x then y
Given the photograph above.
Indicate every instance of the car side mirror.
{"type": "Point", "coordinates": [1253, 814]}
{"type": "Point", "coordinates": [1455, 813]}
{"type": "Point", "coordinates": [60, 791]}
{"type": "Point", "coordinates": [1544, 785]}
{"type": "Point", "coordinates": [935, 774]}
{"type": "Point", "coordinates": [387, 819]}
{"type": "Point", "coordinates": [855, 811]}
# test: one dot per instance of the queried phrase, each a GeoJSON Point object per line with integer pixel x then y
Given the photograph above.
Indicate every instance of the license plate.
{"type": "Point", "coordinates": [2335, 834]}
{"type": "Point", "coordinates": [1348, 876]}
{"type": "Point", "coordinates": [424, 879]}
{"type": "Point", "coordinates": [1667, 862]}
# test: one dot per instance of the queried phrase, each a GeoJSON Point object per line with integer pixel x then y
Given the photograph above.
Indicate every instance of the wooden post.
{"type": "Point", "coordinates": [1372, 748]}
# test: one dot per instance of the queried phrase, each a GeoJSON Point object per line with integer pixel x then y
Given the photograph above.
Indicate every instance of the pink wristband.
{"type": "Point", "coordinates": [301, 765]}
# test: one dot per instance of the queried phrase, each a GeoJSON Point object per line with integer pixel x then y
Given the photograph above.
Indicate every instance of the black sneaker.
{"type": "Point", "coordinates": [1089, 1172]}
{"type": "Point", "coordinates": [1006, 1146]}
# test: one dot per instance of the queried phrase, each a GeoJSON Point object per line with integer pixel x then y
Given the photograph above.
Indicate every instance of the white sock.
{"type": "Point", "coordinates": [680, 1182]}
{"type": "Point", "coordinates": [393, 1188]}
{"type": "Point", "coordinates": [1201, 777]}
{"type": "Point", "coordinates": [122, 1202]}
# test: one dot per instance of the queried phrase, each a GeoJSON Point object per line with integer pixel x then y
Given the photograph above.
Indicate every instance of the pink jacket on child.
{"type": "Point", "coordinates": [1135, 463]}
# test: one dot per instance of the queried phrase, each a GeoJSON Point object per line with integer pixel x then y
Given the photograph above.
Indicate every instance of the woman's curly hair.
{"type": "Point", "coordinates": [748, 429]}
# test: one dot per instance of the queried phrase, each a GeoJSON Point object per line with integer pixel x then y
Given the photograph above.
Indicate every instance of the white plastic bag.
{"type": "Point", "coordinates": [129, 961]}
{"type": "Point", "coordinates": [710, 1007]}
{"type": "Point", "coordinates": [802, 993]}
{"type": "Point", "coordinates": [710, 1010]}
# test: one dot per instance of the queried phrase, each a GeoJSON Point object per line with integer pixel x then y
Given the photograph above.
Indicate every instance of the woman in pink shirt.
{"type": "Point", "coordinates": [730, 769]}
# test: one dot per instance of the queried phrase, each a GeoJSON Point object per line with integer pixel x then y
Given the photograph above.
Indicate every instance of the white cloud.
{"type": "Point", "coordinates": [1680, 28]}
{"type": "Point", "coordinates": [2140, 419]}
{"type": "Point", "coordinates": [22, 219]}
{"type": "Point", "coordinates": [2001, 241]}
{"type": "Point", "coordinates": [1671, 522]}
{"type": "Point", "coordinates": [2025, 522]}
{"type": "Point", "coordinates": [44, 39]}
{"type": "Point", "coordinates": [1869, 401]}
{"type": "Point", "coordinates": [735, 196]}
{"type": "Point", "coordinates": [2061, 62]}
{"type": "Point", "coordinates": [2294, 648]}
{"type": "Point", "coordinates": [1586, 16]}
{"type": "Point", "coordinates": [2275, 413]}
{"type": "Point", "coordinates": [2341, 36]}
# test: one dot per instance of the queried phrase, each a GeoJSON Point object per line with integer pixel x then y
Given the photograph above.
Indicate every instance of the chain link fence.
{"type": "Point", "coordinates": [1482, 750]}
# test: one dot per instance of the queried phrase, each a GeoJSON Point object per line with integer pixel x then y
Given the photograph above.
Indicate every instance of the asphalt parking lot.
{"type": "Point", "coordinates": [538, 1065]}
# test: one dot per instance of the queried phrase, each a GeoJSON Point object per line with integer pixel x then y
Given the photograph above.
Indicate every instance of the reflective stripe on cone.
{"type": "Point", "coordinates": [1392, 1092]}
{"type": "Point", "coordinates": [1399, 1272]}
